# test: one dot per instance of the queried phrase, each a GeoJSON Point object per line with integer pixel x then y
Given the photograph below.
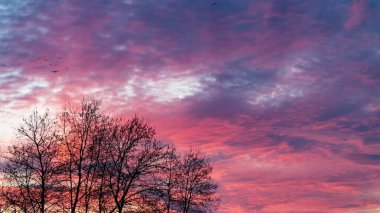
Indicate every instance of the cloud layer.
{"type": "Point", "coordinates": [283, 96]}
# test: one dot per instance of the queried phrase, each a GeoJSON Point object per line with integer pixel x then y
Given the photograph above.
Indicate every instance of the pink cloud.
{"type": "Point", "coordinates": [357, 13]}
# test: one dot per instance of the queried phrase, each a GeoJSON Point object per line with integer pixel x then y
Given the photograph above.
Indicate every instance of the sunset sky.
{"type": "Point", "coordinates": [283, 96]}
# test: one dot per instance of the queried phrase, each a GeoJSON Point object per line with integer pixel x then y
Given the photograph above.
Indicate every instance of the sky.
{"type": "Point", "coordinates": [283, 96]}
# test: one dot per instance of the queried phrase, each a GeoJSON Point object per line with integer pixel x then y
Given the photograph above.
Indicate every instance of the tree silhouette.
{"type": "Point", "coordinates": [86, 161]}
{"type": "Point", "coordinates": [81, 129]}
{"type": "Point", "coordinates": [31, 167]}
{"type": "Point", "coordinates": [167, 181]}
{"type": "Point", "coordinates": [133, 156]}
{"type": "Point", "coordinates": [196, 187]}
{"type": "Point", "coordinates": [184, 183]}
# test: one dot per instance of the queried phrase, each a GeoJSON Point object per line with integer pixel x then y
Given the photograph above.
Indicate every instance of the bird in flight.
{"type": "Point", "coordinates": [214, 3]}
{"type": "Point", "coordinates": [55, 71]}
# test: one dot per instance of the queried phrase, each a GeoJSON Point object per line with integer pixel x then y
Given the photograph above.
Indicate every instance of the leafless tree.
{"type": "Point", "coordinates": [81, 129]}
{"type": "Point", "coordinates": [196, 186]}
{"type": "Point", "coordinates": [184, 183]}
{"type": "Point", "coordinates": [166, 181]}
{"type": "Point", "coordinates": [101, 193]}
{"type": "Point", "coordinates": [134, 156]}
{"type": "Point", "coordinates": [31, 166]}
{"type": "Point", "coordinates": [95, 163]}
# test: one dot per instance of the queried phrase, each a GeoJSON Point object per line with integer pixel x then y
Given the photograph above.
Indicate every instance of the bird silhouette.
{"type": "Point", "coordinates": [214, 3]}
{"type": "Point", "coordinates": [55, 71]}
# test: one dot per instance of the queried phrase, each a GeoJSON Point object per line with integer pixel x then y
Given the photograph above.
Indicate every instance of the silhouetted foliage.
{"type": "Point", "coordinates": [85, 161]}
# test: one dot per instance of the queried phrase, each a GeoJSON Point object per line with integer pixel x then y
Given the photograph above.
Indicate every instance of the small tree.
{"type": "Point", "coordinates": [196, 187]}
{"type": "Point", "coordinates": [133, 157]}
{"type": "Point", "coordinates": [166, 181]}
{"type": "Point", "coordinates": [184, 183]}
{"type": "Point", "coordinates": [31, 166]}
{"type": "Point", "coordinates": [83, 135]}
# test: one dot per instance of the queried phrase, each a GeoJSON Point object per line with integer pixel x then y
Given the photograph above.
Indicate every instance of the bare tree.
{"type": "Point", "coordinates": [95, 163]}
{"type": "Point", "coordinates": [31, 166]}
{"type": "Point", "coordinates": [82, 142]}
{"type": "Point", "coordinates": [184, 183]}
{"type": "Point", "coordinates": [101, 193]}
{"type": "Point", "coordinates": [196, 187]}
{"type": "Point", "coordinates": [166, 181]}
{"type": "Point", "coordinates": [134, 156]}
